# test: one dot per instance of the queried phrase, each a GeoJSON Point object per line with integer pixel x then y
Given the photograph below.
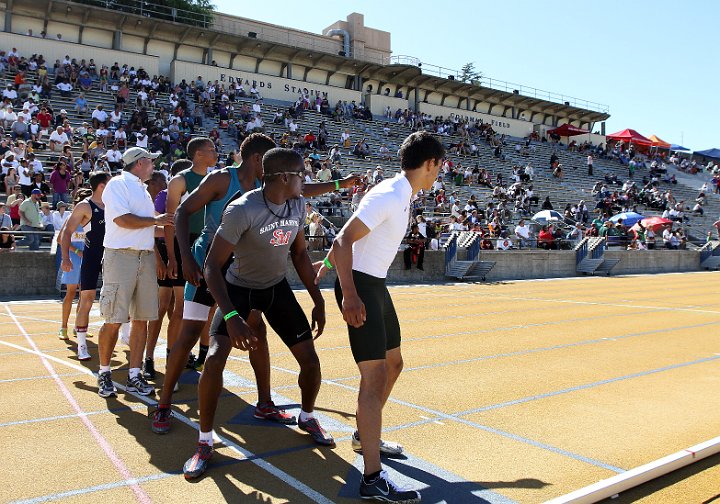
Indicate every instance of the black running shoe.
{"type": "Point", "coordinates": [198, 463]}
{"type": "Point", "coordinates": [383, 489]}
{"type": "Point", "coordinates": [191, 362]}
{"type": "Point", "coordinates": [149, 369]}
{"type": "Point", "coordinates": [106, 388]}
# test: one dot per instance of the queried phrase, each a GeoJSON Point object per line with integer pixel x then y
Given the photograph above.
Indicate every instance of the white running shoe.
{"type": "Point", "coordinates": [125, 333]}
{"type": "Point", "coordinates": [82, 353]}
{"type": "Point", "coordinates": [386, 447]}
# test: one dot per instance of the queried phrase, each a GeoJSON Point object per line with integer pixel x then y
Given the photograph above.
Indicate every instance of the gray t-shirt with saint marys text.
{"type": "Point", "coordinates": [262, 233]}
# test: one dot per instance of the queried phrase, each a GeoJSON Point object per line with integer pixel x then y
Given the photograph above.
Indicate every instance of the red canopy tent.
{"type": "Point", "coordinates": [568, 130]}
{"type": "Point", "coordinates": [630, 135]}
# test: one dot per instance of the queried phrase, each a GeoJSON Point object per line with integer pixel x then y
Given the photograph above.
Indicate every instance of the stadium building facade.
{"type": "Point", "coordinates": [349, 61]}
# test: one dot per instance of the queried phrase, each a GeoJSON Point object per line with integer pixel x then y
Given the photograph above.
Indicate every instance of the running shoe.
{"type": "Point", "coordinates": [191, 362]}
{"type": "Point", "coordinates": [83, 354]}
{"type": "Point", "coordinates": [312, 427]}
{"type": "Point", "coordinates": [383, 489]}
{"type": "Point", "coordinates": [198, 463]}
{"type": "Point", "coordinates": [161, 420]}
{"type": "Point", "coordinates": [106, 387]}
{"type": "Point", "coordinates": [386, 448]}
{"type": "Point", "coordinates": [139, 385]}
{"type": "Point", "coordinates": [268, 411]}
{"type": "Point", "coordinates": [149, 369]}
{"type": "Point", "coordinates": [62, 333]}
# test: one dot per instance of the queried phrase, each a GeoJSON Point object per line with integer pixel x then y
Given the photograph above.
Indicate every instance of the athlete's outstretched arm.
{"type": "Point", "coordinates": [317, 188]}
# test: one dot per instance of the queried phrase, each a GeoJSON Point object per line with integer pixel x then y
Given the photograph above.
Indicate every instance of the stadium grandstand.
{"type": "Point", "coordinates": [532, 185]}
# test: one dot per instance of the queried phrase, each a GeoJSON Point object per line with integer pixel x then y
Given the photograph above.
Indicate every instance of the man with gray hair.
{"type": "Point", "coordinates": [130, 289]}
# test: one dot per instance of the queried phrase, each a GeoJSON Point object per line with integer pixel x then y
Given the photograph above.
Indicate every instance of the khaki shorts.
{"type": "Point", "coordinates": [130, 289]}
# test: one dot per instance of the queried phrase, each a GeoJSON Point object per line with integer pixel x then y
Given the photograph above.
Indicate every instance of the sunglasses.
{"type": "Point", "coordinates": [299, 174]}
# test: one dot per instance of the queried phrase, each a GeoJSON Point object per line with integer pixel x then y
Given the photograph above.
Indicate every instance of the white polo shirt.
{"type": "Point", "coordinates": [385, 210]}
{"type": "Point", "coordinates": [127, 194]}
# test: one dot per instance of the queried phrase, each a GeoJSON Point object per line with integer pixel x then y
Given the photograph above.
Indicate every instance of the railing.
{"type": "Point", "coordinates": [450, 250]}
{"type": "Point", "coordinates": [501, 85]}
{"type": "Point", "coordinates": [473, 251]}
{"type": "Point", "coordinates": [708, 250]}
{"type": "Point", "coordinates": [581, 250]}
{"type": "Point", "coordinates": [199, 17]}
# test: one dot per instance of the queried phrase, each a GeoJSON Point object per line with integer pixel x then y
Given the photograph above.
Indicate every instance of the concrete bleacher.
{"type": "Point", "coordinates": [575, 186]}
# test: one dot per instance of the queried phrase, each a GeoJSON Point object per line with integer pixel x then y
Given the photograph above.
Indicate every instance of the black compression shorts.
{"type": "Point", "coordinates": [279, 306]}
{"type": "Point", "coordinates": [381, 330]}
{"type": "Point", "coordinates": [90, 268]}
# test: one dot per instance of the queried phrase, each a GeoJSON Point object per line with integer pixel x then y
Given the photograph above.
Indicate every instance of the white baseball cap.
{"type": "Point", "coordinates": [135, 153]}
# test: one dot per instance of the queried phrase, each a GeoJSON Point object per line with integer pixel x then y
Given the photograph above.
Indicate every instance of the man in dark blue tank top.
{"type": "Point", "coordinates": [89, 212]}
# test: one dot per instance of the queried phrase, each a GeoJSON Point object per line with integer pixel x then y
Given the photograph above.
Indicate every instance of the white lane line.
{"type": "Point", "coordinates": [301, 487]}
{"type": "Point", "coordinates": [140, 495]}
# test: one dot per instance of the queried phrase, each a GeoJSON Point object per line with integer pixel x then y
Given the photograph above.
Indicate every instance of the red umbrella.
{"type": "Point", "coordinates": [653, 223]}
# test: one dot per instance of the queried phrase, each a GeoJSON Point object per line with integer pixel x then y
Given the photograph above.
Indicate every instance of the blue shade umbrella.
{"type": "Point", "coordinates": [628, 218]}
{"type": "Point", "coordinates": [676, 147]}
{"type": "Point", "coordinates": [545, 216]}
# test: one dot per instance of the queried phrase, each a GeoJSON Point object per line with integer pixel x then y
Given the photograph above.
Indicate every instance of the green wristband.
{"type": "Point", "coordinates": [327, 263]}
{"type": "Point", "coordinates": [230, 315]}
{"type": "Point", "coordinates": [337, 185]}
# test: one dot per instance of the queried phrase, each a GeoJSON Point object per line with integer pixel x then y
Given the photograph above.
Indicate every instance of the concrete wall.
{"type": "Point", "coordinates": [33, 273]}
{"type": "Point", "coordinates": [269, 86]}
{"type": "Point", "coordinates": [53, 49]}
{"type": "Point", "coordinates": [500, 124]}
{"type": "Point", "coordinates": [654, 261]}
{"type": "Point", "coordinates": [378, 103]}
{"type": "Point", "coordinates": [27, 274]}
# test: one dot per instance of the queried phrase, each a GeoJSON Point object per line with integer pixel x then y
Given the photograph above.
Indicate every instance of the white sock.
{"type": "Point", "coordinates": [305, 416]}
{"type": "Point", "coordinates": [206, 437]}
{"type": "Point", "coordinates": [134, 372]}
{"type": "Point", "coordinates": [82, 338]}
{"type": "Point", "coordinates": [104, 369]}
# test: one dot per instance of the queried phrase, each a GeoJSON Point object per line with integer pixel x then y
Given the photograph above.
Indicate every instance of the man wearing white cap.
{"type": "Point", "coordinates": [130, 289]}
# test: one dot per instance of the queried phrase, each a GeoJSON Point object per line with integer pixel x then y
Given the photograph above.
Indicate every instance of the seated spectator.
{"type": "Point", "coordinates": [546, 239]}
{"type": "Point", "coordinates": [99, 116]}
{"type": "Point", "coordinates": [58, 139]}
{"type": "Point", "coordinates": [316, 232]}
{"type": "Point", "coordinates": [65, 88]}
{"type": "Point", "coordinates": [415, 252]}
{"type": "Point", "coordinates": [523, 234]}
{"type": "Point", "coordinates": [7, 239]}
{"type": "Point", "coordinates": [81, 104]}
{"type": "Point", "coordinates": [20, 129]}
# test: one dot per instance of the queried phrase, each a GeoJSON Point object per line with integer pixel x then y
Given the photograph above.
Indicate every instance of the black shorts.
{"type": "Point", "coordinates": [90, 268]}
{"type": "Point", "coordinates": [170, 282]}
{"type": "Point", "coordinates": [381, 330]}
{"type": "Point", "coordinates": [279, 306]}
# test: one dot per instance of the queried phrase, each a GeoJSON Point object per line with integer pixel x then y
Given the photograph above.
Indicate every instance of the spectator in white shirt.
{"type": "Point", "coordinates": [58, 139]}
{"type": "Point", "coordinates": [65, 88]}
{"type": "Point", "coordinates": [523, 233]}
{"type": "Point", "coordinates": [60, 215]}
{"type": "Point", "coordinates": [99, 116]}
{"type": "Point", "coordinates": [130, 287]}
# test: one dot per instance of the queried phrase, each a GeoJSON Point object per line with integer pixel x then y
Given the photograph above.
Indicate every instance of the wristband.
{"type": "Point", "coordinates": [230, 315]}
{"type": "Point", "coordinates": [337, 185]}
{"type": "Point", "coordinates": [327, 263]}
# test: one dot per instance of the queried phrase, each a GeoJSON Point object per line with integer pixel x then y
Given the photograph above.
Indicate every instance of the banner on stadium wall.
{"type": "Point", "coordinates": [501, 125]}
{"type": "Point", "coordinates": [276, 88]}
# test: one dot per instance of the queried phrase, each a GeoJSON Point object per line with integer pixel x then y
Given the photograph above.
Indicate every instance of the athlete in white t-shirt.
{"type": "Point", "coordinates": [362, 253]}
